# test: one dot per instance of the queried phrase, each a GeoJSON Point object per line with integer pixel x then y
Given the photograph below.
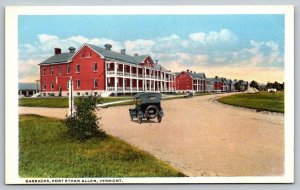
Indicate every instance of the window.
{"type": "Point", "coordinates": [59, 70]}
{"type": "Point", "coordinates": [67, 85]}
{"type": "Point", "coordinates": [44, 86]}
{"type": "Point", "coordinates": [68, 69]}
{"type": "Point", "coordinates": [95, 67]}
{"type": "Point", "coordinates": [86, 93]}
{"type": "Point", "coordinates": [44, 71]}
{"type": "Point", "coordinates": [95, 83]}
{"type": "Point", "coordinates": [52, 71]}
{"type": "Point", "coordinates": [52, 85]}
{"type": "Point", "coordinates": [77, 68]}
{"type": "Point", "coordinates": [78, 84]}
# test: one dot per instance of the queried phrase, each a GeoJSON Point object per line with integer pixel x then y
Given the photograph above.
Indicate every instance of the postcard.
{"type": "Point", "coordinates": [149, 94]}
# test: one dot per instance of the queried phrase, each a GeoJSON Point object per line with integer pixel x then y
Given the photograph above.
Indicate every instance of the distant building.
{"type": "Point", "coordinates": [244, 85]}
{"type": "Point", "coordinates": [190, 81]}
{"type": "Point", "coordinates": [217, 84]}
{"type": "Point", "coordinates": [28, 89]}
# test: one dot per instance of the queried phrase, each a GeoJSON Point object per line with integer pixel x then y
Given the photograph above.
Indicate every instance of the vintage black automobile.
{"type": "Point", "coordinates": [147, 105]}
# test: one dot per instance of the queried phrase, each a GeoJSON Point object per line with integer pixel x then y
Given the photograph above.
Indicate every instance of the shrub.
{"type": "Point", "coordinates": [84, 123]}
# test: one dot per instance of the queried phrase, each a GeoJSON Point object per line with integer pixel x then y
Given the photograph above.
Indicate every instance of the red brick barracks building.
{"type": "Point", "coordinates": [95, 70]}
{"type": "Point", "coordinates": [101, 71]}
{"type": "Point", "coordinates": [190, 81]}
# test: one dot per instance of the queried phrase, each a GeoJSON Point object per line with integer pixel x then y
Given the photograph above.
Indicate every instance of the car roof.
{"type": "Point", "coordinates": [149, 97]}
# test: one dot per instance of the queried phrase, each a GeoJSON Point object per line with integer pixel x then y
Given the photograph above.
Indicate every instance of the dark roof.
{"type": "Point", "coordinates": [64, 57]}
{"type": "Point", "coordinates": [159, 67]}
{"type": "Point", "coordinates": [58, 58]}
{"type": "Point", "coordinates": [114, 55]}
{"type": "Point", "coordinates": [214, 79]}
{"type": "Point", "coordinates": [197, 75]}
{"type": "Point", "coordinates": [193, 75]}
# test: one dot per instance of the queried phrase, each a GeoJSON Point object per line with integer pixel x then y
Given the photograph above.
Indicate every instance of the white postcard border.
{"type": "Point", "coordinates": [11, 84]}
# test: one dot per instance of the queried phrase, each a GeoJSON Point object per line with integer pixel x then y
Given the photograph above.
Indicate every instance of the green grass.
{"type": "Point", "coordinates": [59, 102]}
{"type": "Point", "coordinates": [262, 101]}
{"type": "Point", "coordinates": [44, 102]}
{"type": "Point", "coordinates": [63, 102]}
{"type": "Point", "coordinates": [46, 151]}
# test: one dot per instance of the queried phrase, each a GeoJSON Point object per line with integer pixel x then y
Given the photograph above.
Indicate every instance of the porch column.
{"type": "Point", "coordinates": [130, 78]}
{"type": "Point", "coordinates": [165, 83]}
{"type": "Point", "coordinates": [116, 83]}
{"type": "Point", "coordinates": [197, 84]}
{"type": "Point", "coordinates": [143, 74]}
{"type": "Point", "coordinates": [161, 82]}
{"type": "Point", "coordinates": [106, 76]}
{"type": "Point", "coordinates": [123, 78]}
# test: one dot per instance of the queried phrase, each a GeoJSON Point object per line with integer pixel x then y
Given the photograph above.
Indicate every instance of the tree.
{"type": "Point", "coordinates": [84, 124]}
{"type": "Point", "coordinates": [254, 84]}
{"type": "Point", "coordinates": [237, 86]}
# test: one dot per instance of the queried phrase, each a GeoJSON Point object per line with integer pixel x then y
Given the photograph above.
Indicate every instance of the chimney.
{"type": "Point", "coordinates": [123, 51]}
{"type": "Point", "coordinates": [108, 46]}
{"type": "Point", "coordinates": [194, 72]}
{"type": "Point", "coordinates": [188, 70]}
{"type": "Point", "coordinates": [216, 77]}
{"type": "Point", "coordinates": [136, 54]}
{"type": "Point", "coordinates": [156, 61]}
{"type": "Point", "coordinates": [191, 71]}
{"type": "Point", "coordinates": [57, 51]}
{"type": "Point", "coordinates": [71, 49]}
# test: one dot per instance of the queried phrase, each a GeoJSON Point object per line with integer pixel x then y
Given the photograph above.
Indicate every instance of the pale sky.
{"type": "Point", "coordinates": [248, 47]}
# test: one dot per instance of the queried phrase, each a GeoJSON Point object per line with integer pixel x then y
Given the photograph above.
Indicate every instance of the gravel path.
{"type": "Point", "coordinates": [200, 136]}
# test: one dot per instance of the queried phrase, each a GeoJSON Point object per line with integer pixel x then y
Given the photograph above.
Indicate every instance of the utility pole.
{"type": "Point", "coordinates": [71, 98]}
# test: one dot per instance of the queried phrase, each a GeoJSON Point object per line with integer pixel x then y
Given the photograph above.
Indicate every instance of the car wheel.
{"type": "Point", "coordinates": [151, 111]}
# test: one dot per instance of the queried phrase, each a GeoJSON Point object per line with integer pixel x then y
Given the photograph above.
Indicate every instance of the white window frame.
{"type": "Point", "coordinates": [52, 70]}
{"type": "Point", "coordinates": [95, 64]}
{"type": "Point", "coordinates": [95, 80]}
{"type": "Point", "coordinates": [44, 71]}
{"type": "Point", "coordinates": [52, 85]}
{"type": "Point", "coordinates": [59, 70]}
{"type": "Point", "coordinates": [77, 68]}
{"type": "Point", "coordinates": [78, 84]}
{"type": "Point", "coordinates": [68, 69]}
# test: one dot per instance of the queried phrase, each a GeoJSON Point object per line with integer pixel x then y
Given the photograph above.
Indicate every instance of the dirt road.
{"type": "Point", "coordinates": [201, 137]}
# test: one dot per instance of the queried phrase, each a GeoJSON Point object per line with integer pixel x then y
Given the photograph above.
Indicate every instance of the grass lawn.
{"type": "Point", "coordinates": [262, 101]}
{"type": "Point", "coordinates": [63, 102]}
{"type": "Point", "coordinates": [45, 151]}
{"type": "Point", "coordinates": [59, 102]}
